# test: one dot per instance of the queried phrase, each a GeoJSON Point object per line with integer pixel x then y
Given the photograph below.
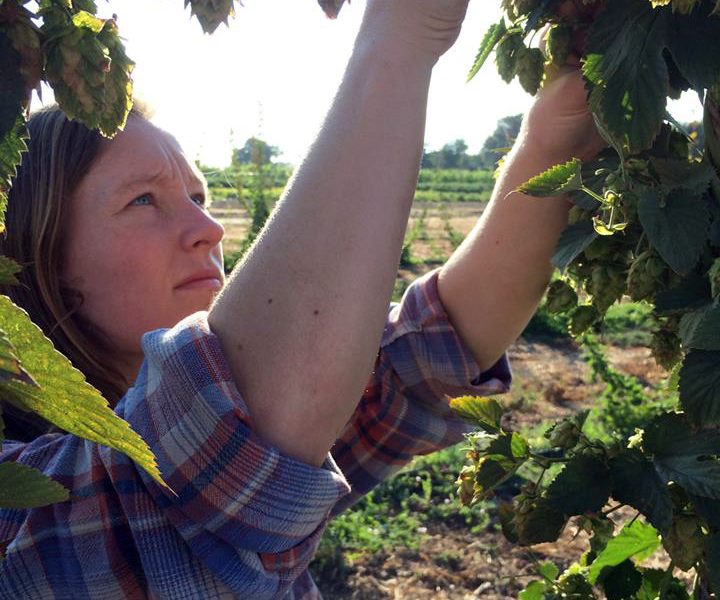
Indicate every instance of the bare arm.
{"type": "Point", "coordinates": [492, 284]}
{"type": "Point", "coordinates": [301, 318]}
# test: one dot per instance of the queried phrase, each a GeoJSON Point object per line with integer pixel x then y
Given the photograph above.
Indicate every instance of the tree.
{"type": "Point", "coordinates": [499, 142]}
{"type": "Point", "coordinates": [254, 151]}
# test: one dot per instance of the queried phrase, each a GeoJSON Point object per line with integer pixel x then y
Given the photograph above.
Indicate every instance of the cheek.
{"type": "Point", "coordinates": [125, 284]}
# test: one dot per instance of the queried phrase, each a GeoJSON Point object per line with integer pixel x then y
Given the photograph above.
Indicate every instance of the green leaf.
{"type": "Point", "coordinates": [572, 242]}
{"type": "Point", "coordinates": [64, 397]}
{"type": "Point", "coordinates": [24, 487]}
{"type": "Point", "coordinates": [8, 269]}
{"type": "Point", "coordinates": [491, 473]}
{"type": "Point", "coordinates": [12, 147]}
{"type": "Point", "coordinates": [543, 523]}
{"type": "Point", "coordinates": [693, 292]}
{"type": "Point", "coordinates": [10, 367]}
{"type": "Point", "coordinates": [85, 20]}
{"type": "Point", "coordinates": [582, 486]}
{"type": "Point", "coordinates": [700, 330]}
{"type": "Point", "coordinates": [556, 181]}
{"type": "Point", "coordinates": [621, 582]}
{"type": "Point", "coordinates": [677, 228]}
{"type": "Point", "coordinates": [636, 483]}
{"type": "Point", "coordinates": [548, 570]}
{"type": "Point", "coordinates": [626, 65]}
{"type": "Point", "coordinates": [636, 540]}
{"type": "Point", "coordinates": [489, 41]}
{"type": "Point", "coordinates": [12, 85]}
{"type": "Point", "coordinates": [695, 46]}
{"type": "Point", "coordinates": [534, 591]}
{"type": "Point", "coordinates": [684, 455]}
{"type": "Point", "coordinates": [481, 412]}
{"type": "Point", "coordinates": [509, 445]}
{"type": "Point", "coordinates": [676, 174]}
{"type": "Point", "coordinates": [700, 387]}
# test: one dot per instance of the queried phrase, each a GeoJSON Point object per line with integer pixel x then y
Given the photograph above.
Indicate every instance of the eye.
{"type": "Point", "coordinates": [143, 200]}
{"type": "Point", "coordinates": [199, 199]}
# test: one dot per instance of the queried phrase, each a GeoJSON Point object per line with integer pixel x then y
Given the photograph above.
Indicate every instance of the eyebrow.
{"type": "Point", "coordinates": [157, 176]}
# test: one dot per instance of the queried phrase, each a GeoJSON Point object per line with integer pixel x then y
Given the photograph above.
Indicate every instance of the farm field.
{"type": "Point", "coordinates": [410, 538]}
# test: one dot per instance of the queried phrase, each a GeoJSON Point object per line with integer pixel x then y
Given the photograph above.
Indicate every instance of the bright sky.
{"type": "Point", "coordinates": [274, 72]}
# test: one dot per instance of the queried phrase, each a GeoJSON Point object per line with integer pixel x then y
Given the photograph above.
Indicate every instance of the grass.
{"type": "Point", "coordinates": [397, 512]}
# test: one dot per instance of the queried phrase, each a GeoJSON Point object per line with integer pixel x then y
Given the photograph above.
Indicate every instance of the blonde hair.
{"type": "Point", "coordinates": [60, 153]}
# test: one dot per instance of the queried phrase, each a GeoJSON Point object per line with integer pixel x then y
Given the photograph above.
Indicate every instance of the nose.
{"type": "Point", "coordinates": [200, 228]}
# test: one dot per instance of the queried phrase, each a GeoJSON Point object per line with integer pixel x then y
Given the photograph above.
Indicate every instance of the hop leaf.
{"type": "Point", "coordinates": [507, 55]}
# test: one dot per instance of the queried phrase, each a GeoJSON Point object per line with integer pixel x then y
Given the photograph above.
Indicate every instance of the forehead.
{"type": "Point", "coordinates": [139, 152]}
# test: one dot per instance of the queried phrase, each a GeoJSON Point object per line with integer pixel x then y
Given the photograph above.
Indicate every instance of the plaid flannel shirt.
{"type": "Point", "coordinates": [247, 519]}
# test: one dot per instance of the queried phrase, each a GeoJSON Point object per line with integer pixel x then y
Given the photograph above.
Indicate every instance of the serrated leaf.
{"type": "Point", "coordinates": [481, 412]}
{"type": "Point", "coordinates": [684, 455]}
{"type": "Point", "coordinates": [493, 35]}
{"type": "Point", "coordinates": [12, 147]}
{"type": "Point", "coordinates": [489, 474]}
{"type": "Point", "coordinates": [677, 228]}
{"type": "Point", "coordinates": [24, 487]}
{"type": "Point", "coordinates": [506, 514]}
{"type": "Point", "coordinates": [582, 486]}
{"type": "Point", "coordinates": [700, 330]}
{"type": "Point", "coordinates": [636, 540]}
{"type": "Point", "coordinates": [556, 181]}
{"type": "Point", "coordinates": [509, 445]}
{"type": "Point", "coordinates": [8, 269]}
{"type": "Point", "coordinates": [573, 240]}
{"type": "Point", "coordinates": [699, 387]}
{"type": "Point", "coordinates": [636, 483]}
{"type": "Point", "coordinates": [692, 293]}
{"type": "Point", "coordinates": [64, 397]}
{"type": "Point", "coordinates": [626, 65]}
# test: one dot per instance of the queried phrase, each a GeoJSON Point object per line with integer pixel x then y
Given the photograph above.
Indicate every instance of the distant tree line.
{"type": "Point", "coordinates": [455, 156]}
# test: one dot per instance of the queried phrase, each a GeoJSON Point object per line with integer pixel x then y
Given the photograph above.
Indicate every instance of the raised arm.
{"type": "Point", "coordinates": [301, 318]}
{"type": "Point", "coordinates": [494, 281]}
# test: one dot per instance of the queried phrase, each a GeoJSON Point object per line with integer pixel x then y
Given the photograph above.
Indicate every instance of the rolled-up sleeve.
{"type": "Point", "coordinates": [244, 520]}
{"type": "Point", "coordinates": [404, 412]}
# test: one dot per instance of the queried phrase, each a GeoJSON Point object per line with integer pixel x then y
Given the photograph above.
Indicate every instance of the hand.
{"type": "Point", "coordinates": [559, 124]}
{"type": "Point", "coordinates": [426, 28]}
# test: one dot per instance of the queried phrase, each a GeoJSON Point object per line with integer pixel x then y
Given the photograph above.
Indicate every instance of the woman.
{"type": "Point", "coordinates": [242, 404]}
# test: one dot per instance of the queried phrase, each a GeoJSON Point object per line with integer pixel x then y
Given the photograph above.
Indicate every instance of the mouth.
{"type": "Point", "coordinates": [202, 280]}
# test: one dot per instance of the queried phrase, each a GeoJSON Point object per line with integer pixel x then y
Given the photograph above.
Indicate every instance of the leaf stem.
{"type": "Point", "coordinates": [593, 195]}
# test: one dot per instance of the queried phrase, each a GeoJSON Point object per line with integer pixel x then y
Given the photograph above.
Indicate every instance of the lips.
{"type": "Point", "coordinates": [204, 279]}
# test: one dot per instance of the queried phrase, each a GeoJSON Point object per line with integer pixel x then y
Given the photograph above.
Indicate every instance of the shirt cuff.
{"type": "Point", "coordinates": [427, 352]}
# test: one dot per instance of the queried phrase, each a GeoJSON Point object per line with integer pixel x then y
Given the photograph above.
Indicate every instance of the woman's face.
{"type": "Point", "coordinates": [141, 246]}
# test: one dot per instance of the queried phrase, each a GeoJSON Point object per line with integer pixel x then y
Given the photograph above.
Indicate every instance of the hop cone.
{"type": "Point", "coordinates": [211, 13]}
{"type": "Point", "coordinates": [88, 69]}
